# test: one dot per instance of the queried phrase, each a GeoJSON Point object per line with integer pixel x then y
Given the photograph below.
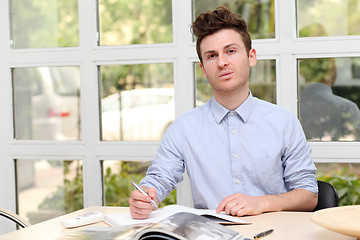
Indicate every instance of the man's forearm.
{"type": "Point", "coordinates": [295, 200]}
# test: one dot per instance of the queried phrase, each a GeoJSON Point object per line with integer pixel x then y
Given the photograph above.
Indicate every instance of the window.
{"type": "Point", "coordinates": [79, 77]}
{"type": "Point", "coordinates": [117, 176]}
{"type": "Point", "coordinates": [44, 24]}
{"type": "Point", "coordinates": [46, 103]}
{"type": "Point", "coordinates": [328, 18]}
{"type": "Point", "coordinates": [327, 83]}
{"type": "Point", "coordinates": [48, 188]}
{"type": "Point", "coordinates": [329, 99]}
{"type": "Point", "coordinates": [259, 15]}
{"type": "Point", "coordinates": [344, 177]}
{"type": "Point", "coordinates": [137, 22]}
{"type": "Point", "coordinates": [137, 101]}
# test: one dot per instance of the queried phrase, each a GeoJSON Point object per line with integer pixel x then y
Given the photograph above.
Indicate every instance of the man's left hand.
{"type": "Point", "coordinates": [240, 204]}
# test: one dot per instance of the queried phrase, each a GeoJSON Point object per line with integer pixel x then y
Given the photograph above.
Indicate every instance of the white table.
{"type": "Point", "coordinates": [286, 225]}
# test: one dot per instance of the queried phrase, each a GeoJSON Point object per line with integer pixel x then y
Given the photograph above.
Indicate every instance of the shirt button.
{"type": "Point", "coordinates": [236, 156]}
{"type": "Point", "coordinates": [238, 181]}
{"type": "Point", "coordinates": [233, 131]}
{"type": "Point", "coordinates": [231, 113]}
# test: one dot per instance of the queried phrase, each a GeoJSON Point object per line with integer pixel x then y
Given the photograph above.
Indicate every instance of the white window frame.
{"type": "Point", "coordinates": [285, 48]}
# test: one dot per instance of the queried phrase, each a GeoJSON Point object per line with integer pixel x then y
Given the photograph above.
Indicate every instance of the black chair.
{"type": "Point", "coordinates": [14, 217]}
{"type": "Point", "coordinates": [327, 196]}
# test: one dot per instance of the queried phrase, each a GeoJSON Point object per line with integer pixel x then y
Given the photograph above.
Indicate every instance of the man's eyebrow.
{"type": "Point", "coordinates": [231, 45]}
{"type": "Point", "coordinates": [209, 51]}
{"type": "Point", "coordinates": [225, 47]}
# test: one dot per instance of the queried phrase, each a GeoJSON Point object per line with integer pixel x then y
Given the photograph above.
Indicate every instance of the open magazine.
{"type": "Point", "coordinates": [121, 219]}
{"type": "Point", "coordinates": [185, 225]}
{"type": "Point", "coordinates": [179, 226]}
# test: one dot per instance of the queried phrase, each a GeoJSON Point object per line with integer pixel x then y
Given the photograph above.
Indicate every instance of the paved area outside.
{"type": "Point", "coordinates": [45, 180]}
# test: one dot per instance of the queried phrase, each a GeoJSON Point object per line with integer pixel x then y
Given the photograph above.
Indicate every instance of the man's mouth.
{"type": "Point", "coordinates": [225, 74]}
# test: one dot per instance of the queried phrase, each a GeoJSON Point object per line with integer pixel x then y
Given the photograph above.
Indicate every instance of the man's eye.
{"type": "Point", "coordinates": [211, 56]}
{"type": "Point", "coordinates": [231, 51]}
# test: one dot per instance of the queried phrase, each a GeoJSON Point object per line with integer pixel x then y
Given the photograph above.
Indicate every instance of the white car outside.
{"type": "Point", "coordinates": [137, 115]}
{"type": "Point", "coordinates": [46, 101]}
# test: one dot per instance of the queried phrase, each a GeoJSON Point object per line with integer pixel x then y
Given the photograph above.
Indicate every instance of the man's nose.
{"type": "Point", "coordinates": [222, 60]}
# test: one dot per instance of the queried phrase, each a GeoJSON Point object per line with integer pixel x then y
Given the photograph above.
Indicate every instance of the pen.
{"type": "Point", "coordinates": [263, 234]}
{"type": "Point", "coordinates": [137, 187]}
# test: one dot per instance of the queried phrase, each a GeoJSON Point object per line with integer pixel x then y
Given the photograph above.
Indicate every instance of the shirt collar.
{"type": "Point", "coordinates": [219, 112]}
{"type": "Point", "coordinates": [244, 110]}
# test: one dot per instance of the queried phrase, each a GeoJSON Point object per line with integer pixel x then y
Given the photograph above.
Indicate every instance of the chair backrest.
{"type": "Point", "coordinates": [14, 217]}
{"type": "Point", "coordinates": [327, 196]}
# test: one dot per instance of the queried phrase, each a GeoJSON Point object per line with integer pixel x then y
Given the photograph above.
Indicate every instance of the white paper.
{"type": "Point", "coordinates": [121, 219]}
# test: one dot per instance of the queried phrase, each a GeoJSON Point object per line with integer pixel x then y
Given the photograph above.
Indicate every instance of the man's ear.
{"type": "Point", "coordinates": [203, 70]}
{"type": "Point", "coordinates": [252, 57]}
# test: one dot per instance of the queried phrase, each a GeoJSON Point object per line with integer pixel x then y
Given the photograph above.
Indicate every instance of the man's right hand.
{"type": "Point", "coordinates": [140, 206]}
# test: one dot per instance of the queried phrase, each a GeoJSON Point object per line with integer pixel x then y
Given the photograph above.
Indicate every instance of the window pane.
{"type": "Point", "coordinates": [137, 101]}
{"type": "Point", "coordinates": [318, 18]}
{"type": "Point", "coordinates": [329, 98]}
{"type": "Point", "coordinates": [47, 103]}
{"type": "Point", "coordinates": [262, 82]}
{"type": "Point", "coordinates": [48, 188]}
{"type": "Point", "coordinates": [117, 176]}
{"type": "Point", "coordinates": [345, 177]}
{"type": "Point", "coordinates": [43, 24]}
{"type": "Point", "coordinates": [203, 90]}
{"type": "Point", "coordinates": [135, 22]}
{"type": "Point", "coordinates": [259, 15]}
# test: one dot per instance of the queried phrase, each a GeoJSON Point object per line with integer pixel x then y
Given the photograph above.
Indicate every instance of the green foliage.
{"type": "Point", "coordinates": [68, 197]}
{"type": "Point", "coordinates": [346, 184]}
{"type": "Point", "coordinates": [42, 24]}
{"type": "Point", "coordinates": [259, 15]}
{"type": "Point", "coordinates": [135, 22]}
{"type": "Point", "coordinates": [116, 78]}
{"type": "Point", "coordinates": [117, 186]}
{"type": "Point", "coordinates": [318, 70]}
{"type": "Point", "coordinates": [68, 23]}
{"type": "Point", "coordinates": [262, 82]}
{"type": "Point", "coordinates": [331, 15]}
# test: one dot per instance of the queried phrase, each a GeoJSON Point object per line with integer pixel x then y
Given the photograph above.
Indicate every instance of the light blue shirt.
{"type": "Point", "coordinates": [258, 149]}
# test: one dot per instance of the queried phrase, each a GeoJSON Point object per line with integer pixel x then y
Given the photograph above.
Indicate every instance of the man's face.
{"type": "Point", "coordinates": [226, 63]}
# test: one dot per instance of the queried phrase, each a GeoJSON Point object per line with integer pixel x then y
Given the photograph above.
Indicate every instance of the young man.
{"type": "Point", "coordinates": [243, 156]}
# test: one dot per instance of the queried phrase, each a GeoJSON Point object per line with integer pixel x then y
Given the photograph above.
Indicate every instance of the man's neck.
{"type": "Point", "coordinates": [231, 100]}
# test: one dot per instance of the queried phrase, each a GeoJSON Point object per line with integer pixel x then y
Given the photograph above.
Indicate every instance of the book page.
{"type": "Point", "coordinates": [121, 219]}
{"type": "Point", "coordinates": [160, 214]}
{"type": "Point", "coordinates": [207, 212]}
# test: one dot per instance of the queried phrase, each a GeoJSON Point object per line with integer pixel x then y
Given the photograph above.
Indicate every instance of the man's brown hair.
{"type": "Point", "coordinates": [210, 22]}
